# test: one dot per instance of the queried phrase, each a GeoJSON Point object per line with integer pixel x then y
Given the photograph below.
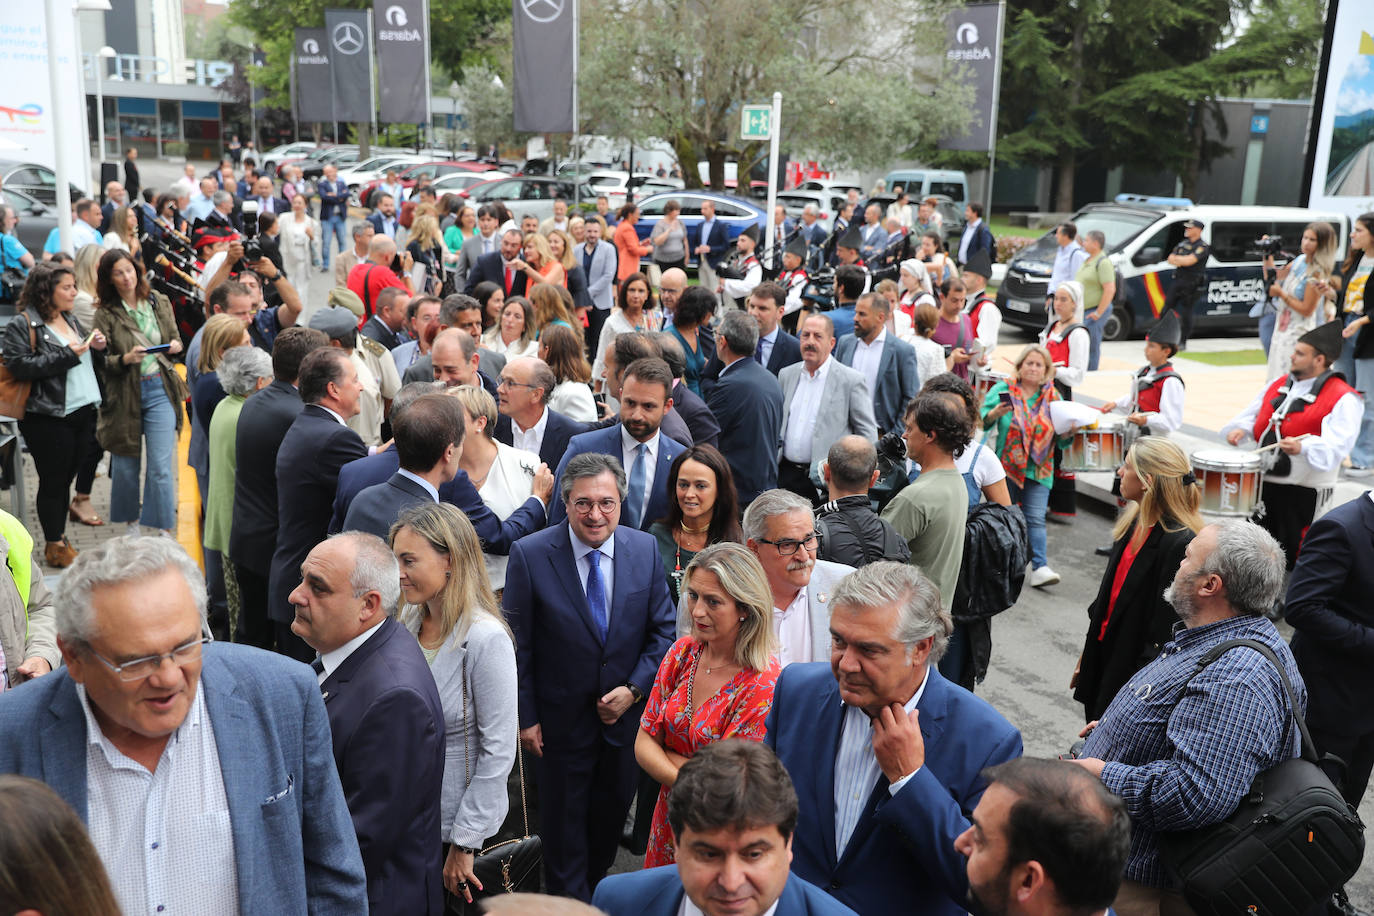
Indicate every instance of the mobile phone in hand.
{"type": "Point", "coordinates": [1005, 397]}
{"type": "Point", "coordinates": [90, 338]}
{"type": "Point", "coordinates": [160, 348]}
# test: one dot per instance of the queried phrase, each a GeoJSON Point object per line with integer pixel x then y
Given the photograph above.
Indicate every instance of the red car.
{"type": "Point", "coordinates": [437, 169]}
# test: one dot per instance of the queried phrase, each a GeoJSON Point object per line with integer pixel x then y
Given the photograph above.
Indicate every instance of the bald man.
{"type": "Point", "coordinates": [378, 272]}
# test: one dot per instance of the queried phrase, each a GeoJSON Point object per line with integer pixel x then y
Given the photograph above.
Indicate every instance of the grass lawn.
{"type": "Point", "coordinates": [1228, 357]}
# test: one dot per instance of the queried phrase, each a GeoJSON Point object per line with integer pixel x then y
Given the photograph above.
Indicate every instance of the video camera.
{"type": "Point", "coordinates": [1266, 246]}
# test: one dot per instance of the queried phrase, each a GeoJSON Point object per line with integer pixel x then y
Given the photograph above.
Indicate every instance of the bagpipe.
{"type": "Point", "coordinates": [169, 259]}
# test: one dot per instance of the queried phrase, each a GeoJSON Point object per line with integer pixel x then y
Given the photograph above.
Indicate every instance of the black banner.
{"type": "Point", "coordinates": [314, 88]}
{"type": "Point", "coordinates": [350, 60]}
{"type": "Point", "coordinates": [543, 74]}
{"type": "Point", "coordinates": [403, 60]}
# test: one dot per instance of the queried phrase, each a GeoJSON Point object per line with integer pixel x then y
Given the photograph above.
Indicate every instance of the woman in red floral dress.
{"type": "Point", "coordinates": [716, 682]}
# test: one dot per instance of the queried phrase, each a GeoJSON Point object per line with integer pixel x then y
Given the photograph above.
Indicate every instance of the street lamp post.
{"type": "Point", "coordinates": [98, 64]}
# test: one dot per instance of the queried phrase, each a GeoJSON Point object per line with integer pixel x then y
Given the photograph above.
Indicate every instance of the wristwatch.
{"type": "Point", "coordinates": [634, 692]}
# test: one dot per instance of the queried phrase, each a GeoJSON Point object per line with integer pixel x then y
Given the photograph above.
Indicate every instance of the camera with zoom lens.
{"type": "Point", "coordinates": [1268, 246]}
{"type": "Point", "coordinates": [891, 449]}
{"type": "Point", "coordinates": [252, 250]}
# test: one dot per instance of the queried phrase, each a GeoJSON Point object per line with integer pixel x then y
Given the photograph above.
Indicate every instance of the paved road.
{"type": "Point", "coordinates": [1358, 178]}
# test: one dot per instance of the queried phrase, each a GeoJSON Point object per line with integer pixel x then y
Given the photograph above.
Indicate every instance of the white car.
{"type": "Point", "coordinates": [277, 154]}
{"type": "Point", "coordinates": [358, 175]}
{"type": "Point", "coordinates": [461, 181]}
{"type": "Point", "coordinates": [617, 184]}
{"type": "Point", "coordinates": [828, 204]}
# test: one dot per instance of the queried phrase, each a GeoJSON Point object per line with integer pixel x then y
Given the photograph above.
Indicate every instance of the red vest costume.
{"type": "Point", "coordinates": [1302, 417]}
{"type": "Point", "coordinates": [1147, 394]}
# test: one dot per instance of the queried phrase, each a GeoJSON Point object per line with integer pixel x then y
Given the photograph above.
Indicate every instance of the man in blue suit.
{"type": "Point", "coordinates": [887, 364]}
{"type": "Point", "coordinates": [732, 812]}
{"type": "Point", "coordinates": [385, 718]}
{"type": "Point", "coordinates": [428, 443]}
{"type": "Point", "coordinates": [635, 442]}
{"type": "Point", "coordinates": [522, 399]}
{"type": "Point", "coordinates": [713, 244]}
{"type": "Point", "coordinates": [885, 753]}
{"type": "Point", "coordinates": [747, 403]}
{"type": "Point", "coordinates": [236, 741]}
{"type": "Point", "coordinates": [315, 447]}
{"type": "Point", "coordinates": [588, 604]}
{"type": "Point", "coordinates": [776, 349]}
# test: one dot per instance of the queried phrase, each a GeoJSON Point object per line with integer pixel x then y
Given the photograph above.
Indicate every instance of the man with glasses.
{"type": "Point", "coordinates": [218, 800]}
{"type": "Point", "coordinates": [780, 530]}
{"type": "Point", "coordinates": [589, 607]}
{"type": "Point", "coordinates": [670, 287]}
{"type": "Point", "coordinates": [527, 422]}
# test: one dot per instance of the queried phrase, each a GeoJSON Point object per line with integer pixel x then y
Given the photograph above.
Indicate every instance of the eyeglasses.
{"type": "Point", "coordinates": [507, 383]}
{"type": "Point", "coordinates": [585, 506]}
{"type": "Point", "coordinates": [139, 668]}
{"type": "Point", "coordinates": [787, 546]}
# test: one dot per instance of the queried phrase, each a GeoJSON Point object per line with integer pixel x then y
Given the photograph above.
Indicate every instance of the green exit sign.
{"type": "Point", "coordinates": [756, 122]}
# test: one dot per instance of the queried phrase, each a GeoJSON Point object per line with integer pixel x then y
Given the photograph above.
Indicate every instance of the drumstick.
{"type": "Point", "coordinates": [1276, 445]}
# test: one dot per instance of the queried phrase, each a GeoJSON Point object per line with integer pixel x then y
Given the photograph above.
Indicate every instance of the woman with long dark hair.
{"type": "Point", "coordinates": [703, 509]}
{"type": "Point", "coordinates": [46, 345]}
{"type": "Point", "coordinates": [1355, 305]}
{"type": "Point", "coordinates": [633, 312]}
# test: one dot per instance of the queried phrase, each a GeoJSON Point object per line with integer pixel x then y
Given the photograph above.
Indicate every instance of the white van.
{"type": "Point", "coordinates": [922, 183]}
{"type": "Point", "coordinates": [1141, 232]}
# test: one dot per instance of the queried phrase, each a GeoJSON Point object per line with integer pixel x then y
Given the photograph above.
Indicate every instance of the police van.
{"type": "Point", "coordinates": [1141, 232]}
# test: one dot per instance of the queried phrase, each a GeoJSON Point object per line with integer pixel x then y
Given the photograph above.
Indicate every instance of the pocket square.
{"type": "Point", "coordinates": [273, 799]}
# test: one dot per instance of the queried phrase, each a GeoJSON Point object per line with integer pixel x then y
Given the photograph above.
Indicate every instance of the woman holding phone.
{"type": "Point", "coordinates": [142, 394]}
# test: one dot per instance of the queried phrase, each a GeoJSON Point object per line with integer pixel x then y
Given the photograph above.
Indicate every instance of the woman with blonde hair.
{"type": "Point", "coordinates": [512, 336]}
{"type": "Point", "coordinates": [1297, 291]}
{"type": "Point", "coordinates": [539, 264]}
{"type": "Point", "coordinates": [426, 246]}
{"type": "Point", "coordinates": [1130, 621]}
{"type": "Point", "coordinates": [561, 348]}
{"type": "Point", "coordinates": [123, 232]}
{"type": "Point", "coordinates": [87, 299]}
{"type": "Point", "coordinates": [716, 682]}
{"type": "Point", "coordinates": [930, 356]}
{"type": "Point", "coordinates": [550, 311]}
{"type": "Point", "coordinates": [297, 234]}
{"type": "Point", "coordinates": [564, 252]}
{"type": "Point", "coordinates": [1018, 413]}
{"type": "Point", "coordinates": [87, 263]}
{"type": "Point", "coordinates": [450, 609]}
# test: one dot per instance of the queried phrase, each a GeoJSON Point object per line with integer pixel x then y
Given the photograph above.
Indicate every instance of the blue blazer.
{"type": "Point", "coordinates": [786, 351]}
{"type": "Point", "coordinates": [374, 510]}
{"type": "Point", "coordinates": [558, 430]}
{"type": "Point", "coordinates": [902, 848]}
{"type": "Point", "coordinates": [747, 403]}
{"type": "Point", "coordinates": [607, 442]}
{"type": "Point", "coordinates": [898, 379]}
{"type": "Point", "coordinates": [387, 725]}
{"type": "Point", "coordinates": [295, 850]}
{"type": "Point", "coordinates": [376, 220]}
{"type": "Point", "coordinates": [658, 892]}
{"type": "Point", "coordinates": [719, 241]}
{"type": "Point", "coordinates": [308, 462]}
{"type": "Point", "coordinates": [563, 664]}
{"type": "Point", "coordinates": [490, 267]}
{"type": "Point", "coordinates": [496, 535]}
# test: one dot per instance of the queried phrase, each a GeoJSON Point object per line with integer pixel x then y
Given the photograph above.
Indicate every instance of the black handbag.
{"type": "Point", "coordinates": [506, 866]}
{"type": "Point", "coordinates": [1291, 843]}
{"type": "Point", "coordinates": [12, 280]}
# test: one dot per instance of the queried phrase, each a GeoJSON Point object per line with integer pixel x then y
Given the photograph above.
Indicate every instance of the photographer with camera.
{"type": "Point", "coordinates": [1294, 292]}
{"type": "Point", "coordinates": [383, 268]}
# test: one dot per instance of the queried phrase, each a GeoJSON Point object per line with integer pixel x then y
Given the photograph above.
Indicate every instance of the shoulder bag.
{"type": "Point", "coordinates": [1291, 843]}
{"type": "Point", "coordinates": [506, 866]}
{"type": "Point", "coordinates": [14, 393]}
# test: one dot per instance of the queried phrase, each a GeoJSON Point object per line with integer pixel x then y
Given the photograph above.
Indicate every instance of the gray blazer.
{"type": "Point", "coordinates": [467, 258]}
{"type": "Point", "coordinates": [601, 286]}
{"type": "Point", "coordinates": [472, 813]}
{"type": "Point", "coordinates": [846, 407]}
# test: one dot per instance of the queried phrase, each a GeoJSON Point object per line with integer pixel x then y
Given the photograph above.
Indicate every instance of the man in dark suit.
{"type": "Point", "coordinates": [314, 448]}
{"type": "Point", "coordinates": [636, 441]}
{"type": "Point", "coordinates": [687, 404]}
{"type": "Point", "coordinates": [381, 700]}
{"type": "Point", "coordinates": [713, 244]}
{"type": "Point", "coordinates": [266, 198]}
{"type": "Point", "coordinates": [899, 746]}
{"type": "Point", "coordinates": [588, 604]}
{"type": "Point", "coordinates": [132, 183]}
{"type": "Point", "coordinates": [263, 422]}
{"type": "Point", "coordinates": [747, 402]}
{"type": "Point", "coordinates": [522, 396]}
{"type": "Point", "coordinates": [496, 267]}
{"type": "Point", "coordinates": [625, 351]}
{"type": "Point", "coordinates": [496, 535]}
{"type": "Point", "coordinates": [776, 349]}
{"type": "Point", "coordinates": [389, 318]}
{"type": "Point", "coordinates": [887, 364]}
{"type": "Point", "coordinates": [454, 359]}
{"type": "Point", "coordinates": [732, 811]}
{"type": "Point", "coordinates": [383, 219]}
{"type": "Point", "coordinates": [428, 438]}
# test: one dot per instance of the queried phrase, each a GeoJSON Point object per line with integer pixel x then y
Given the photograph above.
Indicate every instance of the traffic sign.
{"type": "Point", "coordinates": [756, 122]}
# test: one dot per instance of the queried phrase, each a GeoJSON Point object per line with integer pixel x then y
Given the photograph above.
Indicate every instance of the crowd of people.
{"type": "Point", "coordinates": [560, 536]}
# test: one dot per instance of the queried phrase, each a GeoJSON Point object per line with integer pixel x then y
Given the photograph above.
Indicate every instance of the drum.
{"type": "Point", "coordinates": [1096, 448]}
{"type": "Point", "coordinates": [1230, 481]}
{"type": "Point", "coordinates": [984, 382]}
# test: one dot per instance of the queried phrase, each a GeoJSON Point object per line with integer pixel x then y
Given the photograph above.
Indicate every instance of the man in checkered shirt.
{"type": "Point", "coordinates": [1181, 757]}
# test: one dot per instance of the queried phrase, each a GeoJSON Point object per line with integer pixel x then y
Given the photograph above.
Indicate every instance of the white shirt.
{"type": "Point", "coordinates": [989, 323]}
{"type": "Point", "coordinates": [792, 628]}
{"type": "Point", "coordinates": [335, 657]}
{"type": "Point", "coordinates": [1077, 369]}
{"type": "Point", "coordinates": [1169, 417]}
{"type": "Point", "coordinates": [1339, 428]}
{"type": "Point", "coordinates": [767, 352]}
{"type": "Point", "coordinates": [508, 484]}
{"type": "Point", "coordinates": [83, 234]}
{"type": "Point", "coordinates": [629, 450]}
{"type": "Point", "coordinates": [801, 415]}
{"type": "Point", "coordinates": [606, 565]}
{"type": "Point", "coordinates": [1067, 259]}
{"type": "Point", "coordinates": [334, 414]}
{"type": "Point", "coordinates": [211, 268]}
{"type": "Point", "coordinates": [868, 357]}
{"type": "Point", "coordinates": [429, 487]}
{"type": "Point", "coordinates": [689, 908]}
{"type": "Point", "coordinates": [857, 771]}
{"type": "Point", "coordinates": [967, 237]}
{"type": "Point", "coordinates": [165, 837]}
{"type": "Point", "coordinates": [532, 439]}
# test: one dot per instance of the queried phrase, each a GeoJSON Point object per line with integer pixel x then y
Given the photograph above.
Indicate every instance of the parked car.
{"type": "Point", "coordinates": [841, 188]}
{"type": "Point", "coordinates": [37, 181]}
{"type": "Point", "coordinates": [922, 183]}
{"type": "Point", "coordinates": [313, 169]}
{"type": "Point", "coordinates": [827, 203]}
{"type": "Point", "coordinates": [36, 220]}
{"type": "Point", "coordinates": [737, 213]}
{"type": "Point", "coordinates": [357, 175]}
{"type": "Point", "coordinates": [278, 154]}
{"type": "Point", "coordinates": [461, 181]}
{"type": "Point", "coordinates": [433, 169]}
{"type": "Point", "coordinates": [1141, 232]}
{"type": "Point", "coordinates": [525, 194]}
{"type": "Point", "coordinates": [616, 185]}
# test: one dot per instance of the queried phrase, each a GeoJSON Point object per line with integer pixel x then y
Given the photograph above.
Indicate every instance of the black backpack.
{"type": "Point", "coordinates": [1291, 843]}
{"type": "Point", "coordinates": [996, 551]}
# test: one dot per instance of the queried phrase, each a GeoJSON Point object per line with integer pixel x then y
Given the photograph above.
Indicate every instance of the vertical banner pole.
{"type": "Point", "coordinates": [775, 134]}
{"type": "Point", "coordinates": [577, 45]}
{"type": "Point", "coordinates": [992, 127]}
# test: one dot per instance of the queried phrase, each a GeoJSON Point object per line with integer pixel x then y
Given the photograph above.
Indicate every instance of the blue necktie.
{"type": "Point", "coordinates": [634, 499]}
{"type": "Point", "coordinates": [596, 592]}
{"type": "Point", "coordinates": [758, 352]}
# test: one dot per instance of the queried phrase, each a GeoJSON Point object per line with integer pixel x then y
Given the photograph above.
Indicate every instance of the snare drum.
{"type": "Point", "coordinates": [1230, 481]}
{"type": "Point", "coordinates": [1097, 448]}
{"type": "Point", "coordinates": [984, 382]}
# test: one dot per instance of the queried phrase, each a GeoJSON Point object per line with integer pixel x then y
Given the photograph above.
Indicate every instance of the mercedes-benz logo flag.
{"type": "Point", "coordinates": [543, 73]}
{"type": "Point", "coordinates": [350, 61]}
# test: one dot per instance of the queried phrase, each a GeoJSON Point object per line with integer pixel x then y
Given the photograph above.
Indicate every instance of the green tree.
{"type": "Point", "coordinates": [859, 86]}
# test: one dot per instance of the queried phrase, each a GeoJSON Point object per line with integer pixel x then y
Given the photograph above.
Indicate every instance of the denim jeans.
{"type": "Point", "coordinates": [1266, 329]}
{"type": "Point", "coordinates": [333, 231]}
{"type": "Point", "coordinates": [1094, 327]}
{"type": "Point", "coordinates": [1033, 499]}
{"type": "Point", "coordinates": [159, 508]}
{"type": "Point", "coordinates": [1360, 374]}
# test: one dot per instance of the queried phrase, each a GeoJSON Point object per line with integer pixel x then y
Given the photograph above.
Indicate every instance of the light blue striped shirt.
{"type": "Point", "coordinates": [857, 771]}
